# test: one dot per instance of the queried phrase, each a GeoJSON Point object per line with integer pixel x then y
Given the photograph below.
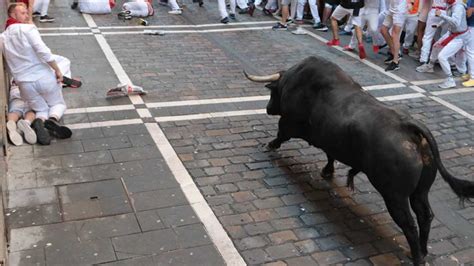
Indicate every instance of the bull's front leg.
{"type": "Point", "coordinates": [328, 170]}
{"type": "Point", "coordinates": [287, 129]}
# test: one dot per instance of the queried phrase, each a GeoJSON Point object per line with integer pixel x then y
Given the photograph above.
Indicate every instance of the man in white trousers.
{"type": "Point", "coordinates": [369, 15]}
{"type": "Point", "coordinates": [314, 12]}
{"type": "Point", "coordinates": [391, 29]}
{"type": "Point", "coordinates": [223, 10]}
{"type": "Point", "coordinates": [33, 68]}
{"type": "Point", "coordinates": [432, 24]}
{"type": "Point", "coordinates": [451, 43]}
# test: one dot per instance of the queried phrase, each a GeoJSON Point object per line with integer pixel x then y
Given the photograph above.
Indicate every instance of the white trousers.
{"type": "Point", "coordinates": [173, 5]}
{"type": "Point", "coordinates": [411, 25]}
{"type": "Point", "coordinates": [137, 9]}
{"type": "Point", "coordinates": [271, 5]}
{"type": "Point", "coordinates": [223, 9]}
{"type": "Point", "coordinates": [94, 6]}
{"type": "Point", "coordinates": [242, 4]}
{"type": "Point", "coordinates": [429, 34]}
{"type": "Point", "coordinates": [470, 52]}
{"type": "Point", "coordinates": [44, 96]}
{"type": "Point", "coordinates": [41, 6]}
{"type": "Point", "coordinates": [293, 4]}
{"type": "Point", "coordinates": [312, 6]}
{"type": "Point", "coordinates": [371, 18]}
{"type": "Point", "coordinates": [453, 48]}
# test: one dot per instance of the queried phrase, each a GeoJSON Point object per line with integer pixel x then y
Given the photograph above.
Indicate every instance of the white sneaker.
{"type": "Point", "coordinates": [175, 12]}
{"type": "Point", "coordinates": [25, 128]}
{"type": "Point", "coordinates": [425, 68]}
{"type": "Point", "coordinates": [15, 137]}
{"type": "Point", "coordinates": [448, 83]}
{"type": "Point", "coordinates": [299, 31]}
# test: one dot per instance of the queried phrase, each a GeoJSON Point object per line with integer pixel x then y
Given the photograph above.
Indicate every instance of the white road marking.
{"type": "Point", "coordinates": [109, 123]}
{"type": "Point", "coordinates": [209, 115]}
{"type": "Point", "coordinates": [64, 28]}
{"type": "Point", "coordinates": [188, 26]}
{"type": "Point", "coordinates": [98, 109]}
{"type": "Point", "coordinates": [213, 227]}
{"type": "Point", "coordinates": [187, 31]}
{"type": "Point", "coordinates": [452, 91]}
{"type": "Point", "coordinates": [400, 97]}
{"type": "Point", "coordinates": [453, 107]}
{"type": "Point", "coordinates": [208, 101]}
{"type": "Point", "coordinates": [383, 86]}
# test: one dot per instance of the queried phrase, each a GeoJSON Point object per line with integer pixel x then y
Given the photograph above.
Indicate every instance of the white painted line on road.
{"type": "Point", "coordinates": [143, 112]}
{"type": "Point", "coordinates": [64, 28]}
{"type": "Point", "coordinates": [207, 101]}
{"type": "Point", "coordinates": [453, 91]}
{"type": "Point", "coordinates": [400, 97]}
{"type": "Point", "coordinates": [188, 25]}
{"type": "Point", "coordinates": [453, 107]}
{"type": "Point", "coordinates": [187, 31]}
{"type": "Point", "coordinates": [426, 82]}
{"type": "Point", "coordinates": [209, 115]}
{"type": "Point", "coordinates": [109, 123]}
{"type": "Point", "coordinates": [100, 109]}
{"type": "Point", "coordinates": [213, 227]}
{"type": "Point", "coordinates": [66, 34]}
{"type": "Point", "coordinates": [383, 86]}
{"type": "Point", "coordinates": [89, 20]}
{"type": "Point", "coordinates": [417, 89]}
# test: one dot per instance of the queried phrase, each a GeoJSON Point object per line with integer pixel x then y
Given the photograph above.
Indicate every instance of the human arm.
{"type": "Point", "coordinates": [456, 17]}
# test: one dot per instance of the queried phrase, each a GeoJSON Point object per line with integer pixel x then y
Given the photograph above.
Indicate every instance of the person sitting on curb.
{"type": "Point", "coordinates": [16, 126]}
{"type": "Point", "coordinates": [38, 76]}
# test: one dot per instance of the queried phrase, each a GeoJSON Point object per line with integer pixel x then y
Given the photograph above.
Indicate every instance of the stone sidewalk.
{"type": "Point", "coordinates": [179, 176]}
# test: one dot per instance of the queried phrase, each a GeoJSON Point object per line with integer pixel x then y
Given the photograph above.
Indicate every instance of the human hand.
{"type": "Point", "coordinates": [59, 76]}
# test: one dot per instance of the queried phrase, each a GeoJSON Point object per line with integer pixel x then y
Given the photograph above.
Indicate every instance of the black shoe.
{"type": "Point", "coordinates": [267, 12]}
{"type": "Point", "coordinates": [201, 3]}
{"type": "Point", "coordinates": [42, 134]}
{"type": "Point", "coordinates": [244, 11]}
{"type": "Point", "coordinates": [392, 67]}
{"type": "Point", "coordinates": [232, 16]}
{"type": "Point", "coordinates": [46, 18]}
{"type": "Point", "coordinates": [57, 130]}
{"type": "Point", "coordinates": [36, 14]}
{"type": "Point", "coordinates": [74, 5]}
{"type": "Point", "coordinates": [389, 59]}
{"type": "Point", "coordinates": [225, 20]}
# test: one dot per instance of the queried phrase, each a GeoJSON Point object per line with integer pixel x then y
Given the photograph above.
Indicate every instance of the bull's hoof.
{"type": "Point", "coordinates": [272, 145]}
{"type": "Point", "coordinates": [327, 174]}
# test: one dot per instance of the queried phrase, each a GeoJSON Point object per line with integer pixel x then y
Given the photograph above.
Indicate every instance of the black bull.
{"type": "Point", "coordinates": [320, 103]}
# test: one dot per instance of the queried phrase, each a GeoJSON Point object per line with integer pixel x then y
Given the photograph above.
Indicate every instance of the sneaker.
{"type": "Point", "coordinates": [175, 12]}
{"type": "Point", "coordinates": [225, 20]}
{"type": "Point", "coordinates": [375, 48]}
{"type": "Point", "coordinates": [267, 12]}
{"type": "Point", "coordinates": [343, 32]}
{"type": "Point", "coordinates": [232, 16]}
{"type": "Point", "coordinates": [348, 48]}
{"type": "Point", "coordinates": [46, 18]}
{"type": "Point", "coordinates": [74, 5]}
{"type": "Point", "coordinates": [36, 14]}
{"type": "Point", "coordinates": [299, 22]}
{"type": "Point", "coordinates": [280, 26]}
{"type": "Point", "coordinates": [13, 134]}
{"type": "Point", "coordinates": [392, 66]}
{"type": "Point", "coordinates": [201, 3]}
{"type": "Point", "coordinates": [469, 83]}
{"type": "Point", "coordinates": [289, 21]}
{"type": "Point", "coordinates": [42, 134]}
{"type": "Point", "coordinates": [25, 128]}
{"type": "Point", "coordinates": [124, 13]}
{"type": "Point", "coordinates": [333, 42]}
{"type": "Point", "coordinates": [320, 27]}
{"type": "Point", "coordinates": [389, 59]}
{"type": "Point", "coordinates": [362, 54]}
{"type": "Point", "coordinates": [57, 130]}
{"type": "Point", "coordinates": [457, 74]}
{"type": "Point", "coordinates": [448, 83]}
{"type": "Point", "coordinates": [465, 77]}
{"type": "Point", "coordinates": [71, 82]}
{"type": "Point", "coordinates": [425, 68]}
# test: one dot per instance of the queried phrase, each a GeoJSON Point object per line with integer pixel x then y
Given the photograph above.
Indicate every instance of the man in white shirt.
{"type": "Point", "coordinates": [34, 69]}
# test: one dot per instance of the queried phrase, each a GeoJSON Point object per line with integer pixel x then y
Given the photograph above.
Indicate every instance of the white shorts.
{"type": "Point", "coordinates": [340, 12]}
{"type": "Point", "coordinates": [394, 19]}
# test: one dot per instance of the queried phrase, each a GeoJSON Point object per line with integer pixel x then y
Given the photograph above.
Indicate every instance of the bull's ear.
{"type": "Point", "coordinates": [271, 86]}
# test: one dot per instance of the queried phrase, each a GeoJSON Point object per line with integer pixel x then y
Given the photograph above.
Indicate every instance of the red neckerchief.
{"type": "Point", "coordinates": [11, 21]}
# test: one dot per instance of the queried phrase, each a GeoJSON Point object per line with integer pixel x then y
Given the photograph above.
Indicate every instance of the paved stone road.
{"type": "Point", "coordinates": [128, 191]}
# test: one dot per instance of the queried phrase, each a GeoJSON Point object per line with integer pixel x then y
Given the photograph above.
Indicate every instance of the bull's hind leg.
{"type": "Point", "coordinates": [421, 206]}
{"type": "Point", "coordinates": [350, 178]}
{"type": "Point", "coordinates": [400, 212]}
{"type": "Point", "coordinates": [328, 170]}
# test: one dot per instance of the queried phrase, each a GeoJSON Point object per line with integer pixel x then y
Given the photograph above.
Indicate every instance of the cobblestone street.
{"type": "Point", "coordinates": [180, 177]}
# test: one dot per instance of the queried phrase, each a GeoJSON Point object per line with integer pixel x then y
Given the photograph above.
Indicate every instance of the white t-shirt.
{"type": "Point", "coordinates": [397, 6]}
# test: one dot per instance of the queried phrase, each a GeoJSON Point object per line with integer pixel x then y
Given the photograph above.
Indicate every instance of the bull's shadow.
{"type": "Point", "coordinates": [354, 222]}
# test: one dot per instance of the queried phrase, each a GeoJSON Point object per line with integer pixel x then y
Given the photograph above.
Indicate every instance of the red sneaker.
{"type": "Point", "coordinates": [362, 54]}
{"type": "Point", "coordinates": [348, 48]}
{"type": "Point", "coordinates": [375, 48]}
{"type": "Point", "coordinates": [333, 42]}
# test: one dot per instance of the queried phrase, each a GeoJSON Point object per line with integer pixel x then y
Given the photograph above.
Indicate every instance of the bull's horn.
{"type": "Point", "coordinates": [267, 78]}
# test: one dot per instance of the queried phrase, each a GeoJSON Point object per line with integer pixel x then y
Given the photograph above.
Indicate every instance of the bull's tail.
{"type": "Point", "coordinates": [464, 189]}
